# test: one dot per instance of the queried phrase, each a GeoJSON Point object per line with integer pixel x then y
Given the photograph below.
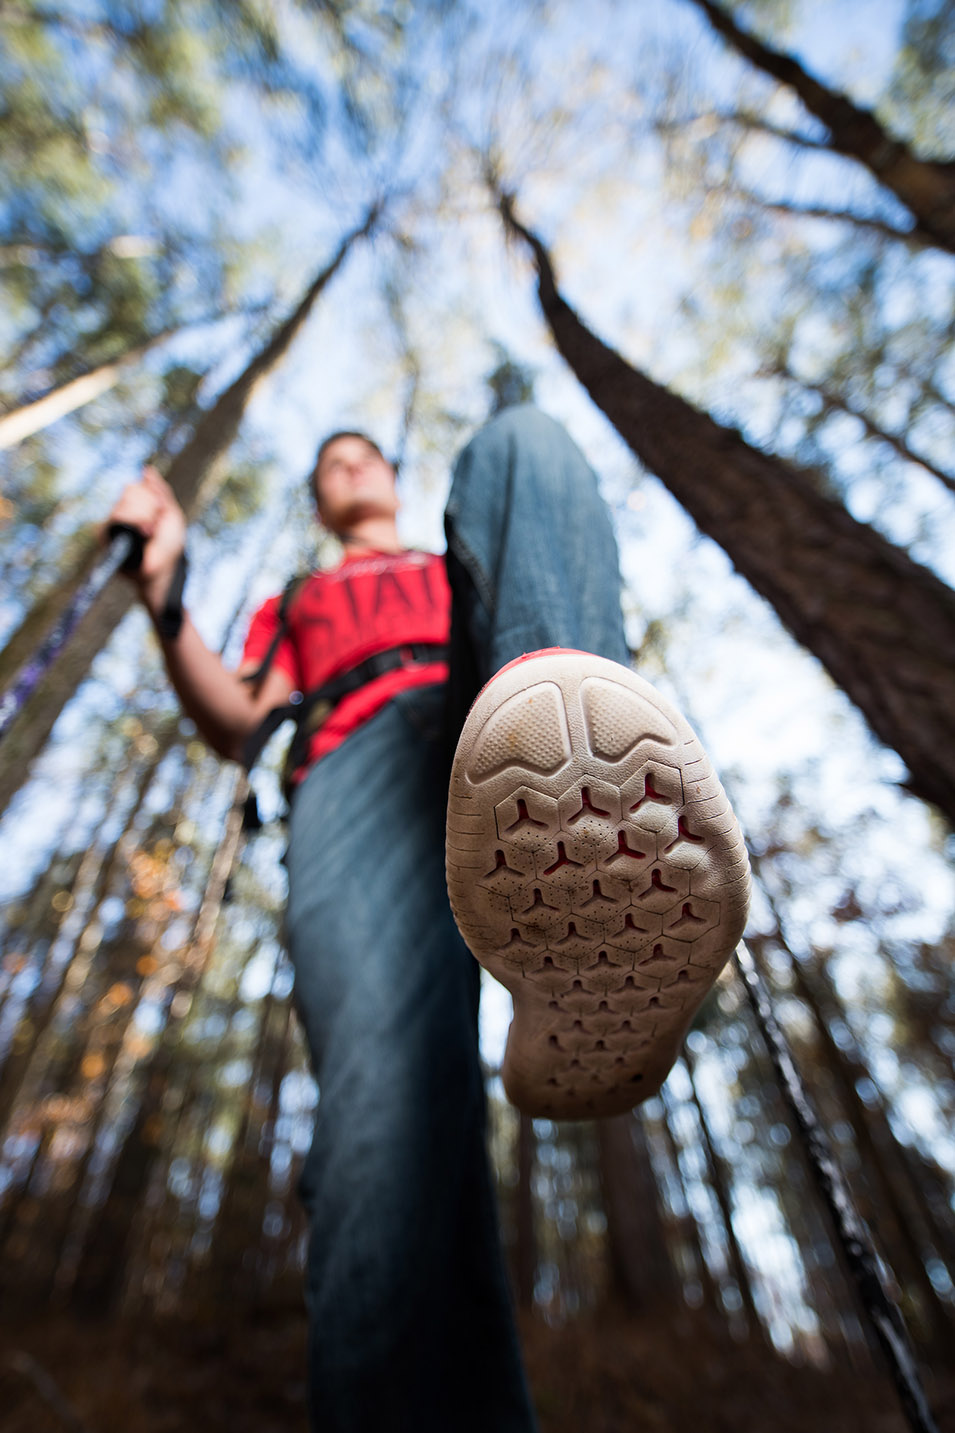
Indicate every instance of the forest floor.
{"type": "Point", "coordinates": [609, 1374]}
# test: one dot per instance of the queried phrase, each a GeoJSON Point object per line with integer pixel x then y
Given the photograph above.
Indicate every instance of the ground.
{"type": "Point", "coordinates": [609, 1374]}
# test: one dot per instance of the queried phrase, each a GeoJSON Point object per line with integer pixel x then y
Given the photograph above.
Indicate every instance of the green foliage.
{"type": "Point", "coordinates": [923, 86]}
{"type": "Point", "coordinates": [240, 497]}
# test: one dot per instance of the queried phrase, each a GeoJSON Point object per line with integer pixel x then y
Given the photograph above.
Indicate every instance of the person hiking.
{"type": "Point", "coordinates": [591, 863]}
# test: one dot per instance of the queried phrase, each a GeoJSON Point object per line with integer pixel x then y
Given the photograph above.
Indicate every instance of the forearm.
{"type": "Point", "coordinates": [221, 706]}
{"type": "Point", "coordinates": [224, 709]}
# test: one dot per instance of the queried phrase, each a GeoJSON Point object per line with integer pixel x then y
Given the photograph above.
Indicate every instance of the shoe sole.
{"type": "Point", "coordinates": [596, 870]}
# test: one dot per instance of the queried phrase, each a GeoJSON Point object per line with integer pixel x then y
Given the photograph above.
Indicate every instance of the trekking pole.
{"type": "Point", "coordinates": [125, 553]}
{"type": "Point", "coordinates": [881, 1311]}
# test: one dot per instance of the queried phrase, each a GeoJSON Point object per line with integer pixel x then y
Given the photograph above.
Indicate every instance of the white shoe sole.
{"type": "Point", "coordinates": [596, 869]}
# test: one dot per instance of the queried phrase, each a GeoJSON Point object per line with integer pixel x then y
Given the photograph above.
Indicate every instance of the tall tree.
{"type": "Point", "coordinates": [641, 1268]}
{"type": "Point", "coordinates": [883, 1199]}
{"type": "Point", "coordinates": [525, 1242]}
{"type": "Point", "coordinates": [195, 474]}
{"type": "Point", "coordinates": [29, 418]}
{"type": "Point", "coordinates": [721, 1183]}
{"type": "Point", "coordinates": [98, 1270]}
{"type": "Point", "coordinates": [882, 625]}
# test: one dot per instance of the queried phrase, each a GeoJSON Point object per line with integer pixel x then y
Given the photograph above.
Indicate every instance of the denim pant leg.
{"type": "Point", "coordinates": [531, 553]}
{"type": "Point", "coordinates": [410, 1319]}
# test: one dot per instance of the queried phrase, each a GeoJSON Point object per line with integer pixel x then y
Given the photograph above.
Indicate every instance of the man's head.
{"type": "Point", "coordinates": [352, 480]}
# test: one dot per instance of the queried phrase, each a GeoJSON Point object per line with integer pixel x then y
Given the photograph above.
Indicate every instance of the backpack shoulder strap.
{"type": "Point", "coordinates": [290, 591]}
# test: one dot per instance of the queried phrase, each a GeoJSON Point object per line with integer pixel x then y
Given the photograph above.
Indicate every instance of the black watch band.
{"type": "Point", "coordinates": [169, 618]}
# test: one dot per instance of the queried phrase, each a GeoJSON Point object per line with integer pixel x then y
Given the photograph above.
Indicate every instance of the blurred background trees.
{"type": "Point", "coordinates": [225, 230]}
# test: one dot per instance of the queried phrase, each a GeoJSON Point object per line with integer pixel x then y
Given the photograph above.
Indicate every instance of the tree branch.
{"type": "Point", "coordinates": [834, 402]}
{"type": "Point", "coordinates": [926, 187]}
{"type": "Point", "coordinates": [743, 119]}
{"type": "Point", "coordinates": [839, 216]}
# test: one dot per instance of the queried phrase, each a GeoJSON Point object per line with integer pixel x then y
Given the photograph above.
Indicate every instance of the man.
{"type": "Point", "coordinates": [592, 864]}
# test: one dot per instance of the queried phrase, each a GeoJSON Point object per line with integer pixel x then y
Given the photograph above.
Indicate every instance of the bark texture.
{"type": "Point", "coordinates": [882, 625]}
{"type": "Point", "coordinates": [195, 475]}
{"type": "Point", "coordinates": [926, 187]}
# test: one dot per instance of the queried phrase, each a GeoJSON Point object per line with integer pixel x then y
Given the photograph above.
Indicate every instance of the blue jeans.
{"type": "Point", "coordinates": [411, 1325]}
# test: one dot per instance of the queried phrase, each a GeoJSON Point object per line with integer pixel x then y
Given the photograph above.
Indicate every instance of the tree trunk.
{"type": "Point", "coordinates": [900, 1227]}
{"type": "Point", "coordinates": [233, 1252]}
{"type": "Point", "coordinates": [883, 626]}
{"type": "Point", "coordinates": [720, 1178]}
{"type": "Point", "coordinates": [63, 975]}
{"type": "Point", "coordinates": [690, 1238]}
{"type": "Point", "coordinates": [920, 1207]}
{"type": "Point", "coordinates": [525, 1240]}
{"type": "Point", "coordinates": [31, 925]}
{"type": "Point", "coordinates": [926, 187]}
{"type": "Point", "coordinates": [20, 423]}
{"type": "Point", "coordinates": [65, 1102]}
{"type": "Point", "coordinates": [111, 1049]}
{"type": "Point", "coordinates": [93, 1277]}
{"type": "Point", "coordinates": [642, 1272]}
{"type": "Point", "coordinates": [195, 474]}
{"type": "Point", "coordinates": [253, 1291]}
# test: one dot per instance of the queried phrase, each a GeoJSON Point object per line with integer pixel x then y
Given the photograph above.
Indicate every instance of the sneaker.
{"type": "Point", "coordinates": [595, 869]}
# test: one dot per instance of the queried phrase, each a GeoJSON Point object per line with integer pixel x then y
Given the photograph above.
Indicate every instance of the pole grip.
{"type": "Point", "coordinates": [136, 540]}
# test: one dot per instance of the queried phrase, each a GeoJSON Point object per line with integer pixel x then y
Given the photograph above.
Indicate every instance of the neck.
{"type": "Point", "coordinates": [373, 534]}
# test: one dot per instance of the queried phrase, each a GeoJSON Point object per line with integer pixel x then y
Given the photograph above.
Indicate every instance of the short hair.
{"type": "Point", "coordinates": [326, 443]}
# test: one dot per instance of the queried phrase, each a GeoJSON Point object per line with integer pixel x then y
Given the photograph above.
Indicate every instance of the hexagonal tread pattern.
{"type": "Point", "coordinates": [595, 868]}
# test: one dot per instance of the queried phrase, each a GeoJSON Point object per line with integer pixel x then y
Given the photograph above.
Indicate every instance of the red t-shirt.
{"type": "Point", "coordinates": [336, 619]}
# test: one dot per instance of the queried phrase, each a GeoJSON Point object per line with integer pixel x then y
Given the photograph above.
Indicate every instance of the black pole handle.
{"type": "Point", "coordinates": [137, 544]}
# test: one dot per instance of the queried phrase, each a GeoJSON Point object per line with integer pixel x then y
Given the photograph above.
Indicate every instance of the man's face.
{"type": "Point", "coordinates": [353, 482]}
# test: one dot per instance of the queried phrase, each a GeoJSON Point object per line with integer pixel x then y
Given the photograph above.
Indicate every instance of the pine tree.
{"type": "Point", "coordinates": [883, 626]}
{"type": "Point", "coordinates": [195, 474]}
